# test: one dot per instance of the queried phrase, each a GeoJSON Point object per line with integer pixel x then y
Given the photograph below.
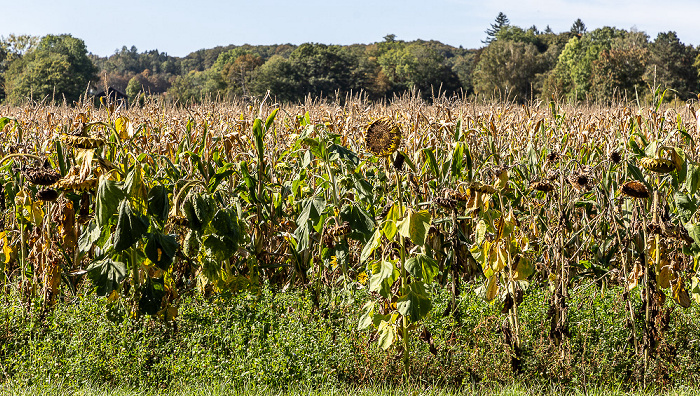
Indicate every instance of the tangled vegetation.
{"type": "Point", "coordinates": [149, 205]}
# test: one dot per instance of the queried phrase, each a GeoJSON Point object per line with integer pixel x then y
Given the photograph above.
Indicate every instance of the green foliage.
{"type": "Point", "coordinates": [672, 65]}
{"type": "Point", "coordinates": [573, 71]}
{"type": "Point", "coordinates": [58, 67]}
{"type": "Point", "coordinates": [281, 340]}
{"type": "Point", "coordinates": [507, 69]}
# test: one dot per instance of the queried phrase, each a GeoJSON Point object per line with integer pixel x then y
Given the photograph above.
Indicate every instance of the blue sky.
{"type": "Point", "coordinates": [179, 27]}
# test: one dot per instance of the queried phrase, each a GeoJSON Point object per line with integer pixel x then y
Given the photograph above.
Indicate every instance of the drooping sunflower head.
{"type": "Point", "coordinates": [635, 189]}
{"type": "Point", "coordinates": [383, 137]}
{"type": "Point", "coordinates": [41, 176]}
{"type": "Point", "coordinates": [543, 186]}
{"type": "Point", "coordinates": [581, 181]}
{"type": "Point", "coordinates": [47, 195]}
{"type": "Point", "coordinates": [615, 156]}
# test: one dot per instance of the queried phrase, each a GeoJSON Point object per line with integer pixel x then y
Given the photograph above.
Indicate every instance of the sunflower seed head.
{"type": "Point", "coordinates": [543, 186]}
{"type": "Point", "coordinates": [41, 176]}
{"type": "Point", "coordinates": [383, 137]}
{"type": "Point", "coordinates": [634, 189]}
{"type": "Point", "coordinates": [615, 157]}
{"type": "Point", "coordinates": [47, 195]}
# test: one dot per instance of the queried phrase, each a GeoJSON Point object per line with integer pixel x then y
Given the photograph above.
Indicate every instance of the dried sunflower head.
{"type": "Point", "coordinates": [446, 202]}
{"type": "Point", "coordinates": [657, 165]}
{"type": "Point", "coordinates": [634, 189]}
{"type": "Point", "coordinates": [330, 234]}
{"type": "Point", "coordinates": [74, 182]}
{"type": "Point", "coordinates": [543, 186]}
{"type": "Point", "coordinates": [383, 137]}
{"type": "Point", "coordinates": [615, 157]}
{"type": "Point", "coordinates": [43, 176]}
{"type": "Point", "coordinates": [553, 157]}
{"type": "Point", "coordinates": [47, 195]}
{"type": "Point", "coordinates": [82, 142]}
{"type": "Point", "coordinates": [581, 181]}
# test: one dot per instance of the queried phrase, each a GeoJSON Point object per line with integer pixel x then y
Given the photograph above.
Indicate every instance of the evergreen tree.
{"type": "Point", "coordinates": [578, 27]}
{"type": "Point", "coordinates": [501, 22]}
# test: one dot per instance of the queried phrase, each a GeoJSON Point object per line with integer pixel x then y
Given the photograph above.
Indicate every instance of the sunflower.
{"type": "Point", "coordinates": [82, 142]}
{"type": "Point", "coordinates": [47, 195]}
{"type": "Point", "coordinates": [634, 189]}
{"type": "Point", "coordinates": [383, 137]}
{"type": "Point", "coordinates": [581, 181]}
{"type": "Point", "coordinates": [543, 186]}
{"type": "Point", "coordinates": [41, 176]}
{"type": "Point", "coordinates": [657, 165]}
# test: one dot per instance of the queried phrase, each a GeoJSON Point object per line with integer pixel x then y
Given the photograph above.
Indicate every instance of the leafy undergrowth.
{"type": "Point", "coordinates": [283, 341]}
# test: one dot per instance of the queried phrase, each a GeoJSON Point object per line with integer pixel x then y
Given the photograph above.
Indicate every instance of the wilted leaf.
{"type": "Point", "coordinates": [371, 245]}
{"type": "Point", "coordinates": [130, 227]}
{"type": "Point", "coordinates": [106, 274]}
{"type": "Point", "coordinates": [366, 317]}
{"type": "Point", "coordinates": [387, 334]}
{"type": "Point", "coordinates": [491, 288]}
{"type": "Point", "coordinates": [158, 204]}
{"type": "Point", "coordinates": [680, 294]}
{"type": "Point", "coordinates": [664, 277]}
{"type": "Point", "coordinates": [422, 268]}
{"type": "Point", "coordinates": [384, 274]}
{"type": "Point", "coordinates": [415, 304]}
{"type": "Point", "coordinates": [415, 226]}
{"type": "Point", "coordinates": [109, 194]}
{"type": "Point", "coordinates": [160, 249]}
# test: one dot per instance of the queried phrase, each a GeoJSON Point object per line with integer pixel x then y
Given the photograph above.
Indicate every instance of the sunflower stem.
{"type": "Point", "coordinates": [404, 280]}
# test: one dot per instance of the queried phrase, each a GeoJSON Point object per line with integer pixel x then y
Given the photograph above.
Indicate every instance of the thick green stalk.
{"type": "Point", "coordinates": [404, 280]}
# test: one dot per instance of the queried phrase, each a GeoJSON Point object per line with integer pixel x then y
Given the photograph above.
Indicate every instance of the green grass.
{"type": "Point", "coordinates": [274, 343]}
{"type": "Point", "coordinates": [323, 390]}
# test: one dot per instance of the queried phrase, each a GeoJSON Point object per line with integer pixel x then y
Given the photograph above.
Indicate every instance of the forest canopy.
{"type": "Point", "coordinates": [603, 65]}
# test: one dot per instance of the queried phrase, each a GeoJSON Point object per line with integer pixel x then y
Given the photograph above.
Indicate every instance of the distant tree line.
{"type": "Point", "coordinates": [605, 64]}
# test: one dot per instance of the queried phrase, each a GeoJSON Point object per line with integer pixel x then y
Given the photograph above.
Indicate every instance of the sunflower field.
{"type": "Point", "coordinates": [143, 205]}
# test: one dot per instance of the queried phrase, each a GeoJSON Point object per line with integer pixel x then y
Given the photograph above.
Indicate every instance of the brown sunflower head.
{"type": "Point", "coordinates": [41, 176]}
{"type": "Point", "coordinates": [330, 234]}
{"type": "Point", "coordinates": [47, 195]}
{"type": "Point", "coordinates": [383, 137]}
{"type": "Point", "coordinates": [634, 189]}
{"type": "Point", "coordinates": [553, 157]}
{"type": "Point", "coordinates": [615, 157]}
{"type": "Point", "coordinates": [543, 186]}
{"type": "Point", "coordinates": [657, 165]}
{"type": "Point", "coordinates": [83, 142]}
{"type": "Point", "coordinates": [581, 181]}
{"type": "Point", "coordinates": [446, 202]}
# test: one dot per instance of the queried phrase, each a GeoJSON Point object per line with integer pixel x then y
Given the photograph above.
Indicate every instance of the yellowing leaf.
{"type": "Point", "coordinates": [695, 289]}
{"type": "Point", "coordinates": [415, 226]}
{"type": "Point", "coordinates": [663, 279]}
{"type": "Point", "coordinates": [387, 334]}
{"type": "Point", "coordinates": [680, 294]}
{"type": "Point", "coordinates": [6, 249]}
{"type": "Point", "coordinates": [123, 127]}
{"type": "Point", "coordinates": [523, 269]}
{"type": "Point", "coordinates": [491, 288]}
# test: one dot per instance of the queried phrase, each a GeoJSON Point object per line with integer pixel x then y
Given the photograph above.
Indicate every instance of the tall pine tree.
{"type": "Point", "coordinates": [501, 22]}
